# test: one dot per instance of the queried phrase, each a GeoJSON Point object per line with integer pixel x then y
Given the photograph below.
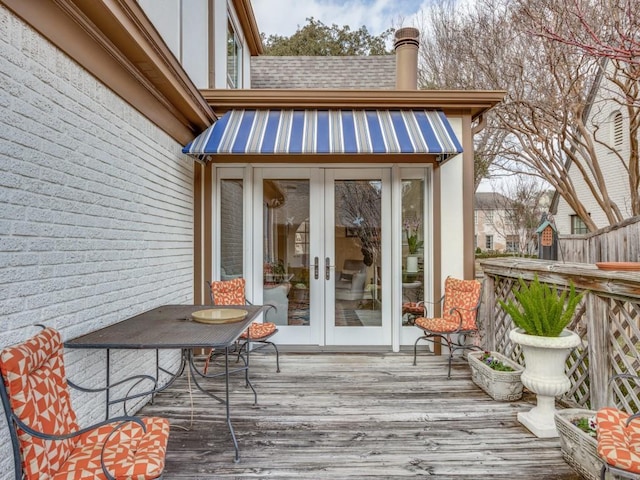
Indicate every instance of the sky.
{"type": "Point", "coordinates": [283, 17]}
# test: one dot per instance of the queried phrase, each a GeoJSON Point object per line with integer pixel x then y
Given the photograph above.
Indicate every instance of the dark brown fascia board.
{"type": "Point", "coordinates": [247, 19]}
{"type": "Point", "coordinates": [473, 102]}
{"type": "Point", "coordinates": [116, 42]}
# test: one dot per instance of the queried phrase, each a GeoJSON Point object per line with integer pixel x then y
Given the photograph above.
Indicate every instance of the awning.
{"type": "Point", "coordinates": [327, 132]}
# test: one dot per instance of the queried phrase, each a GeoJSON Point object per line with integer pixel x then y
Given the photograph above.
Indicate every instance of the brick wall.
{"type": "Point", "coordinates": [96, 217]}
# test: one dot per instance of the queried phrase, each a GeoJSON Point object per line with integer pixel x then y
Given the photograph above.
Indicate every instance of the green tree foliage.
{"type": "Point", "coordinates": [318, 39]}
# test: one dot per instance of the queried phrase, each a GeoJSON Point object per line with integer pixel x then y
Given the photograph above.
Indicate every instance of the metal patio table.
{"type": "Point", "coordinates": [171, 327]}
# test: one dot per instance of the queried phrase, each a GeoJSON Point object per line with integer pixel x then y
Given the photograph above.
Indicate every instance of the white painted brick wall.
{"type": "Point", "coordinates": [96, 217]}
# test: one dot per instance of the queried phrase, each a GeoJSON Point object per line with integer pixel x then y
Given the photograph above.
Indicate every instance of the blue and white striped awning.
{"type": "Point", "coordinates": [327, 132]}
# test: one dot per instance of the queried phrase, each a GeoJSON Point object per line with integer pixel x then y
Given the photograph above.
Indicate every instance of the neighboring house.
{"type": "Point", "coordinates": [608, 118]}
{"type": "Point", "coordinates": [104, 217]}
{"type": "Point", "coordinates": [493, 233]}
{"type": "Point", "coordinates": [502, 225]}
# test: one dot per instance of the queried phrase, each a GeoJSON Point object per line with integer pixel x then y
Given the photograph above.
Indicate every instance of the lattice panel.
{"type": "Point", "coordinates": [577, 363]}
{"type": "Point", "coordinates": [624, 353]}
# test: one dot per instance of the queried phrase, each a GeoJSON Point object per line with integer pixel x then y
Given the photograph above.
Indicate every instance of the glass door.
{"type": "Point", "coordinates": [356, 209]}
{"type": "Point", "coordinates": [323, 258]}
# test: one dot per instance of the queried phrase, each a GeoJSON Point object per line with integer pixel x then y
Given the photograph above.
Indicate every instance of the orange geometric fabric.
{"type": "Point", "coordinates": [34, 377]}
{"type": "Point", "coordinates": [228, 292]}
{"type": "Point", "coordinates": [461, 299]}
{"type": "Point", "coordinates": [258, 331]}
{"type": "Point", "coordinates": [618, 444]}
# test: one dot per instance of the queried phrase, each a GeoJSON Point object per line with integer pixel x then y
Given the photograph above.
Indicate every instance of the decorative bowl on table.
{"type": "Point", "coordinates": [219, 315]}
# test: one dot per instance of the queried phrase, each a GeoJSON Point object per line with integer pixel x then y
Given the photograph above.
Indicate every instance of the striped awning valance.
{"type": "Point", "coordinates": [327, 132]}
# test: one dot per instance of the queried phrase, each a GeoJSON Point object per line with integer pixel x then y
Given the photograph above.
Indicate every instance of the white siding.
{"type": "Point", "coordinates": [96, 219]}
{"type": "Point", "coordinates": [617, 178]}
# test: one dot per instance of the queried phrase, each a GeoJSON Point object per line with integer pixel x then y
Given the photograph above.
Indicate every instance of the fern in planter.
{"type": "Point", "coordinates": [540, 310]}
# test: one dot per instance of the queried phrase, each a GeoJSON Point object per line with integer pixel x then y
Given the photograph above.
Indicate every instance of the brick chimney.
{"type": "Point", "coordinates": [406, 48]}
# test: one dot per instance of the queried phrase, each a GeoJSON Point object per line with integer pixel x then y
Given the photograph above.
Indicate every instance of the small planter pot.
{"type": "Point", "coordinates": [578, 448]}
{"type": "Point", "coordinates": [502, 386]}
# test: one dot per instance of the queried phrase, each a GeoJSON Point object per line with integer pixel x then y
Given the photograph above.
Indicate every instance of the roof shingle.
{"type": "Point", "coordinates": [341, 72]}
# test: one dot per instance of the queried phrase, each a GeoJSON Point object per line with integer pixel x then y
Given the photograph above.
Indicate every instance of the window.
{"type": "Point", "coordinates": [302, 239]}
{"type": "Point", "coordinates": [475, 241]}
{"type": "Point", "coordinates": [617, 130]}
{"type": "Point", "coordinates": [578, 226]}
{"type": "Point", "coordinates": [475, 217]}
{"type": "Point", "coordinates": [488, 217]}
{"type": "Point", "coordinates": [488, 242]}
{"type": "Point", "coordinates": [231, 243]}
{"type": "Point", "coordinates": [512, 243]}
{"type": "Point", "coordinates": [234, 57]}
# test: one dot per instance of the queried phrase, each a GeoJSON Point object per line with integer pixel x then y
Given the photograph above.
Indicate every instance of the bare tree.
{"type": "Point", "coordinates": [606, 30]}
{"type": "Point", "coordinates": [541, 128]}
{"type": "Point", "coordinates": [520, 206]}
{"type": "Point", "coordinates": [601, 28]}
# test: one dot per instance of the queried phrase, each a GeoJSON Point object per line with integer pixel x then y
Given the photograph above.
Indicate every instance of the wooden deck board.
{"type": "Point", "coordinates": [353, 416]}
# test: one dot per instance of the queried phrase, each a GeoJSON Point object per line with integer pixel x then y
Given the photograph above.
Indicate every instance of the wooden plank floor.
{"type": "Point", "coordinates": [354, 416]}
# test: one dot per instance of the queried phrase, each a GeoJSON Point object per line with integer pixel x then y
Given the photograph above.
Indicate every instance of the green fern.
{"type": "Point", "coordinates": [540, 310]}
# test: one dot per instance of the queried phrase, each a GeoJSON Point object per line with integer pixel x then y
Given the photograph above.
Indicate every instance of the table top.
{"type": "Point", "coordinates": [169, 326]}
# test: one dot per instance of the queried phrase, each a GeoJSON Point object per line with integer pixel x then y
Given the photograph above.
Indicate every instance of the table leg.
{"type": "Point", "coordinates": [226, 381]}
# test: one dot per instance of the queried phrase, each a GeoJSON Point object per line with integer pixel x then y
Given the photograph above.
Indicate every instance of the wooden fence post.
{"type": "Point", "coordinates": [597, 336]}
{"type": "Point", "coordinates": [489, 323]}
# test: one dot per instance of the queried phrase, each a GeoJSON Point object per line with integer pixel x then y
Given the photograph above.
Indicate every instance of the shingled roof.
{"type": "Point", "coordinates": [344, 72]}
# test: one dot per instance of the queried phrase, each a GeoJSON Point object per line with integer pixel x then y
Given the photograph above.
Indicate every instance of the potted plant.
{"type": "Point", "coordinates": [541, 315]}
{"type": "Point", "coordinates": [496, 375]}
{"type": "Point", "coordinates": [577, 430]}
{"type": "Point", "coordinates": [411, 229]}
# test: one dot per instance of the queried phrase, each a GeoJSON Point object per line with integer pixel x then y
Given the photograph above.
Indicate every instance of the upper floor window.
{"type": "Point", "coordinates": [578, 226]}
{"type": "Point", "coordinates": [234, 57]}
{"type": "Point", "coordinates": [617, 130]}
{"type": "Point", "coordinates": [488, 216]}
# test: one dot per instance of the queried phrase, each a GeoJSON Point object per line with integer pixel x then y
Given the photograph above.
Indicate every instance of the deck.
{"type": "Point", "coordinates": [348, 416]}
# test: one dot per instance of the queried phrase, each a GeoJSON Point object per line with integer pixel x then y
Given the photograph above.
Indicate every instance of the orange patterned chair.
{"type": "Point", "coordinates": [232, 292]}
{"type": "Point", "coordinates": [460, 304]}
{"type": "Point", "coordinates": [619, 437]}
{"type": "Point", "coordinates": [47, 441]}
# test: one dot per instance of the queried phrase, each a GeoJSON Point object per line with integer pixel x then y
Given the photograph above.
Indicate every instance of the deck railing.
{"type": "Point", "coordinates": [607, 320]}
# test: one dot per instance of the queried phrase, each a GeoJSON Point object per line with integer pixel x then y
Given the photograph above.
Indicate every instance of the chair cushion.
{"type": "Point", "coordinates": [36, 383]}
{"type": "Point", "coordinates": [130, 452]}
{"type": "Point", "coordinates": [618, 444]}
{"type": "Point", "coordinates": [438, 325]}
{"type": "Point", "coordinates": [260, 330]}
{"type": "Point", "coordinates": [35, 380]}
{"type": "Point", "coordinates": [228, 292]}
{"type": "Point", "coordinates": [464, 294]}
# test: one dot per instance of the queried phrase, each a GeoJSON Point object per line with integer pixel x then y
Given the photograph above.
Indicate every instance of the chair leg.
{"type": "Point", "coordinates": [415, 349]}
{"type": "Point", "coordinates": [277, 355]}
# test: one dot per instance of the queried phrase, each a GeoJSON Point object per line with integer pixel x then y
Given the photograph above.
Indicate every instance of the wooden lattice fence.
{"type": "Point", "coordinates": [607, 321]}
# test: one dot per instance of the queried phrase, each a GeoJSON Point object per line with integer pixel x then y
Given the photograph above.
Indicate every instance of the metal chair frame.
{"type": "Point", "coordinates": [245, 343]}
{"type": "Point", "coordinates": [453, 345]}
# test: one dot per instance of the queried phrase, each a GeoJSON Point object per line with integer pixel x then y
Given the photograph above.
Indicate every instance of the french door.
{"type": "Point", "coordinates": [324, 238]}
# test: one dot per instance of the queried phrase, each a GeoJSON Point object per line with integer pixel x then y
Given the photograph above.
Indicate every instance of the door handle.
{"type": "Point", "coordinates": [327, 268]}
{"type": "Point", "coordinates": [316, 268]}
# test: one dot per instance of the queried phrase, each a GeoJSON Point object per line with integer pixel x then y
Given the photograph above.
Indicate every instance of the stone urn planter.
{"type": "Point", "coordinates": [579, 449]}
{"type": "Point", "coordinates": [541, 314]}
{"type": "Point", "coordinates": [544, 375]}
{"type": "Point", "coordinates": [499, 385]}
